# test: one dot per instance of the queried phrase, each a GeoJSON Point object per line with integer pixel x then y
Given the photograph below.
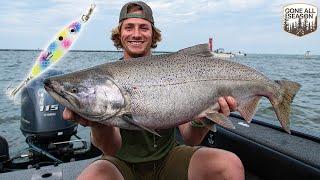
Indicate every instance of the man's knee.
{"type": "Point", "coordinates": [101, 169]}
{"type": "Point", "coordinates": [221, 163]}
{"type": "Point", "coordinates": [232, 165]}
{"type": "Point", "coordinates": [234, 161]}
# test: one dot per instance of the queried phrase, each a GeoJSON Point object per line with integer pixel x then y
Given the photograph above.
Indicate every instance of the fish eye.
{"type": "Point", "coordinates": [60, 38]}
{"type": "Point", "coordinates": [74, 90]}
{"type": "Point", "coordinates": [72, 30]}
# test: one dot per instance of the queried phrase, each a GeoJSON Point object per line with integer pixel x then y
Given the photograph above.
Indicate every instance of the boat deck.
{"type": "Point", "coordinates": [269, 153]}
{"type": "Point", "coordinates": [266, 153]}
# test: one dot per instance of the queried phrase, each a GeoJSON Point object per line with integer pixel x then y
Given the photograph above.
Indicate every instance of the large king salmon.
{"type": "Point", "coordinates": [163, 91]}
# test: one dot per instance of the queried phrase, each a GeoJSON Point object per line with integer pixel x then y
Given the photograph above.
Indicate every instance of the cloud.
{"type": "Point", "coordinates": [23, 13]}
{"type": "Point", "coordinates": [43, 13]}
{"type": "Point", "coordinates": [244, 4]}
{"type": "Point", "coordinates": [181, 11]}
{"type": "Point", "coordinates": [41, 19]}
{"type": "Point", "coordinates": [18, 16]}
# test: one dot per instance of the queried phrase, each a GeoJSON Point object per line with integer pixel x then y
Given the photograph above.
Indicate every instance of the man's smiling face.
{"type": "Point", "coordinates": [136, 37]}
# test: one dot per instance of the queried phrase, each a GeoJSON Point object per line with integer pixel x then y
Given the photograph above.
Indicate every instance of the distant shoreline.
{"type": "Point", "coordinates": [78, 50]}
{"type": "Point", "coordinates": [152, 51]}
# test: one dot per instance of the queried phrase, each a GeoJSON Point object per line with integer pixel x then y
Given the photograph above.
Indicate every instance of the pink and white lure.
{"type": "Point", "coordinates": [56, 49]}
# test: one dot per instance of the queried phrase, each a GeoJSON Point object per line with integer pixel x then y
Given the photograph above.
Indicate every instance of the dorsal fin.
{"type": "Point", "coordinates": [197, 50]}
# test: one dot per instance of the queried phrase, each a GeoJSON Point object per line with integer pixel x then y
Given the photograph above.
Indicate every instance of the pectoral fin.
{"type": "Point", "coordinates": [220, 119]}
{"type": "Point", "coordinates": [248, 107]}
{"type": "Point", "coordinates": [211, 109]}
{"type": "Point", "coordinates": [135, 123]}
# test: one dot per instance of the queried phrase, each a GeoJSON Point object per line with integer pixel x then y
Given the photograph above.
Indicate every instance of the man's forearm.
{"type": "Point", "coordinates": [192, 135]}
{"type": "Point", "coordinates": [106, 138]}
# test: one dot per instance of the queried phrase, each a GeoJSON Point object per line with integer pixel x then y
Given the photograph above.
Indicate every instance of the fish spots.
{"type": "Point", "coordinates": [224, 91]}
{"type": "Point", "coordinates": [74, 90]}
{"type": "Point", "coordinates": [116, 105]}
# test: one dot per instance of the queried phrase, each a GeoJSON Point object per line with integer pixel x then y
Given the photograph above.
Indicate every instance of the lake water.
{"type": "Point", "coordinates": [15, 65]}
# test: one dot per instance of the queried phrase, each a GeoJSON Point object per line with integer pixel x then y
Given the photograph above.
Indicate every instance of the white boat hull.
{"type": "Point", "coordinates": [222, 55]}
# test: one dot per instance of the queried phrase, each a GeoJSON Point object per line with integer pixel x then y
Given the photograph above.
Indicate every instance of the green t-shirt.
{"type": "Point", "coordinates": [142, 146]}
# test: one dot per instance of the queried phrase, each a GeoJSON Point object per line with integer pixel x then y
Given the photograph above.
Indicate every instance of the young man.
{"type": "Point", "coordinates": [139, 154]}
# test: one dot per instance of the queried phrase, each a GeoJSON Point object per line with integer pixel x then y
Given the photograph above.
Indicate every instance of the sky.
{"type": "Point", "coordinates": [251, 26]}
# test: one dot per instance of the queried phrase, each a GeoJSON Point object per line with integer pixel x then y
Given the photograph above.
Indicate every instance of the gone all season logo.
{"type": "Point", "coordinates": [300, 19]}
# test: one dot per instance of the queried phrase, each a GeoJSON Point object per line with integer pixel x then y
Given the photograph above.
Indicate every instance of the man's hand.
{"type": "Point", "coordinates": [194, 136]}
{"type": "Point", "coordinates": [227, 105]}
{"type": "Point", "coordinates": [106, 138]}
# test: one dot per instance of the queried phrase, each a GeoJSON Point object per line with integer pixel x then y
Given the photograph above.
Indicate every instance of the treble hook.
{"type": "Point", "coordinates": [86, 17]}
{"type": "Point", "coordinates": [21, 85]}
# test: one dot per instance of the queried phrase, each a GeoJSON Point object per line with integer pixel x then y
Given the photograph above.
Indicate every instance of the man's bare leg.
{"type": "Point", "coordinates": [212, 163]}
{"type": "Point", "coordinates": [101, 169]}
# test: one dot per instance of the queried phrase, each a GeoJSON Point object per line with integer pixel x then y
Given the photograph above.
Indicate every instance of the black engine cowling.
{"type": "Point", "coordinates": [41, 115]}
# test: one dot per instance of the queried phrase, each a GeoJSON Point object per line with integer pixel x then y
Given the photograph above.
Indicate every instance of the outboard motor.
{"type": "Point", "coordinates": [47, 133]}
{"type": "Point", "coordinates": [4, 150]}
{"type": "Point", "coordinates": [41, 115]}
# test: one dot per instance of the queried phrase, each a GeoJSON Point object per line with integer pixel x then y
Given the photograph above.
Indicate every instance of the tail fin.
{"type": "Point", "coordinates": [282, 108]}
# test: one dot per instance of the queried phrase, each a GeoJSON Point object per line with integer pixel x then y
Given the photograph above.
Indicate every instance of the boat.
{"type": "Point", "coordinates": [219, 53]}
{"type": "Point", "coordinates": [307, 55]}
{"type": "Point", "coordinates": [239, 53]}
{"type": "Point", "coordinates": [266, 151]}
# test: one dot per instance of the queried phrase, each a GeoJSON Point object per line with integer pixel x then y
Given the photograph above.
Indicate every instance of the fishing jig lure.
{"type": "Point", "coordinates": [56, 49]}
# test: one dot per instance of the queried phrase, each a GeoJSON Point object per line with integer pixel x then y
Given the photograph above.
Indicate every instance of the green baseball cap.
{"type": "Point", "coordinates": [147, 12]}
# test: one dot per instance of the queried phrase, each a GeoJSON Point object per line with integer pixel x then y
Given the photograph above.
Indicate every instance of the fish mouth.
{"type": "Point", "coordinates": [67, 99]}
